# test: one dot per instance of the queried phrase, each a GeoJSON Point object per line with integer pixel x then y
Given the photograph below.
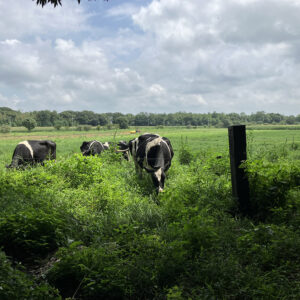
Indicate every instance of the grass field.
{"type": "Point", "coordinates": [89, 228]}
{"type": "Point", "coordinates": [199, 139]}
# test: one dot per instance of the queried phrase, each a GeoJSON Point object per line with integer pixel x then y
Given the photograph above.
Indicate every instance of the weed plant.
{"type": "Point", "coordinates": [90, 228]}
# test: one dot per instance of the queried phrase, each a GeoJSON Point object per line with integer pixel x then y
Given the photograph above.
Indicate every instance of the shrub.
{"type": "Point", "coordinates": [270, 183]}
{"type": "Point", "coordinates": [5, 129]}
{"type": "Point", "coordinates": [59, 124]}
{"type": "Point", "coordinates": [185, 155]}
{"type": "Point", "coordinates": [15, 284]}
{"type": "Point", "coordinates": [30, 235]}
{"type": "Point", "coordinates": [122, 122]}
{"type": "Point", "coordinates": [108, 271]}
{"type": "Point", "coordinates": [29, 123]}
{"type": "Point", "coordinates": [87, 127]}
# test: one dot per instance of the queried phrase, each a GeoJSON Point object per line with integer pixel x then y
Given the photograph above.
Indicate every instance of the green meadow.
{"type": "Point", "coordinates": [198, 139]}
{"type": "Point", "coordinates": [90, 228]}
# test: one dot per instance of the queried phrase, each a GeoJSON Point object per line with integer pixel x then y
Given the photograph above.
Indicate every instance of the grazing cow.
{"type": "Point", "coordinates": [123, 147]}
{"type": "Point", "coordinates": [31, 152]}
{"type": "Point", "coordinates": [152, 153]}
{"type": "Point", "coordinates": [93, 147]}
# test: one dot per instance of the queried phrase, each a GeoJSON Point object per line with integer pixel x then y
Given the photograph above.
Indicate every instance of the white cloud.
{"type": "Point", "coordinates": [26, 19]}
{"type": "Point", "coordinates": [157, 90]}
{"type": "Point", "coordinates": [10, 42]}
{"type": "Point", "coordinates": [225, 50]}
{"type": "Point", "coordinates": [12, 101]}
{"type": "Point", "coordinates": [123, 10]}
{"type": "Point", "coordinates": [223, 55]}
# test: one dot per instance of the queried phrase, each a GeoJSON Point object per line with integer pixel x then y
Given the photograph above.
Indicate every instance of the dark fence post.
{"type": "Point", "coordinates": [238, 154]}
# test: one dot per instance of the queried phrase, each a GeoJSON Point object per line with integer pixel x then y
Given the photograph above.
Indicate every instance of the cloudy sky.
{"type": "Point", "coordinates": [136, 56]}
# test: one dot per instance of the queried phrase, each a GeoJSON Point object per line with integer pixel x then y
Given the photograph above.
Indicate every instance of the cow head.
{"type": "Point", "coordinates": [106, 145]}
{"type": "Point", "coordinates": [123, 147]}
{"type": "Point", "coordinates": [158, 178]}
{"type": "Point", "coordinates": [85, 148]}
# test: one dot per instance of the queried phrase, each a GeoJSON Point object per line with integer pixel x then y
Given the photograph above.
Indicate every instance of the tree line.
{"type": "Point", "coordinates": [46, 118]}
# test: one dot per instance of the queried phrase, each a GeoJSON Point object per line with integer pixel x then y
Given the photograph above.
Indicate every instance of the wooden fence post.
{"type": "Point", "coordinates": [238, 154]}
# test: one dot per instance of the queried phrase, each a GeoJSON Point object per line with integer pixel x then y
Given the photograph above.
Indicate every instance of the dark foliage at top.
{"type": "Point", "coordinates": [54, 2]}
{"type": "Point", "coordinates": [45, 118]}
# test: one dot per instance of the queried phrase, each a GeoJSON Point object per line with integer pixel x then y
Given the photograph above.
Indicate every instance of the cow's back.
{"type": "Point", "coordinates": [43, 150]}
{"type": "Point", "coordinates": [23, 151]}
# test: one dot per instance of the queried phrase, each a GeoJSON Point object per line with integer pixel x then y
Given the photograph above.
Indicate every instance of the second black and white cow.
{"type": "Point", "coordinates": [152, 153]}
{"type": "Point", "coordinates": [31, 152]}
{"type": "Point", "coordinates": [93, 147]}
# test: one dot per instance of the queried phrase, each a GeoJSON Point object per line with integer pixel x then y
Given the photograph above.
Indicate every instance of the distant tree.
{"type": "Point", "coordinates": [141, 119]}
{"type": "Point", "coordinates": [259, 116]}
{"type": "Point", "coordinates": [5, 129]}
{"type": "Point", "coordinates": [170, 120]}
{"type": "Point", "coordinates": [290, 120]}
{"type": "Point", "coordinates": [115, 116]}
{"type": "Point", "coordinates": [102, 119]}
{"type": "Point", "coordinates": [43, 118]}
{"type": "Point", "coordinates": [275, 118]}
{"type": "Point", "coordinates": [225, 123]}
{"type": "Point", "coordinates": [85, 117]}
{"type": "Point", "coordinates": [123, 122]}
{"type": "Point", "coordinates": [54, 2]}
{"type": "Point", "coordinates": [68, 117]}
{"type": "Point", "coordinates": [29, 123]}
{"type": "Point", "coordinates": [59, 124]}
{"type": "Point", "coordinates": [94, 121]}
{"type": "Point", "coordinates": [130, 118]}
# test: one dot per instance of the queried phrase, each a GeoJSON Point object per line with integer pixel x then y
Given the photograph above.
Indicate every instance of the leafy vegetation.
{"type": "Point", "coordinates": [89, 228]}
{"type": "Point", "coordinates": [5, 129]}
{"type": "Point", "coordinates": [46, 118]}
{"type": "Point", "coordinates": [29, 123]}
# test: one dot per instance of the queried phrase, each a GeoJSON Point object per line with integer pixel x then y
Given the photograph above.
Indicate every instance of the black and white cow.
{"type": "Point", "coordinates": [152, 153]}
{"type": "Point", "coordinates": [93, 147]}
{"type": "Point", "coordinates": [31, 152]}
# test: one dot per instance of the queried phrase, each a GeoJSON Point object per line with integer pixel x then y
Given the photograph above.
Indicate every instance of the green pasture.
{"type": "Point", "coordinates": [89, 228]}
{"type": "Point", "coordinates": [199, 140]}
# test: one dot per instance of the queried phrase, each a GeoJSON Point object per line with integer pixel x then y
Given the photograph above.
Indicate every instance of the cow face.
{"type": "Point", "coordinates": [85, 148]}
{"type": "Point", "coordinates": [158, 179]}
{"type": "Point", "coordinates": [123, 148]}
{"type": "Point", "coordinates": [106, 145]}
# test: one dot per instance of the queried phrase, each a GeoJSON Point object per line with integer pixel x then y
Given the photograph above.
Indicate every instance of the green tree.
{"type": "Point", "coordinates": [43, 118]}
{"type": "Point", "coordinates": [5, 129]}
{"type": "Point", "coordinates": [102, 119]}
{"type": "Point", "coordinates": [290, 120]}
{"type": "Point", "coordinates": [59, 124]}
{"type": "Point", "coordinates": [123, 122]}
{"type": "Point", "coordinates": [53, 2]}
{"type": "Point", "coordinates": [68, 117]}
{"type": "Point", "coordinates": [276, 118]}
{"type": "Point", "coordinates": [85, 117]}
{"type": "Point", "coordinates": [115, 116]}
{"type": "Point", "coordinates": [29, 123]}
{"type": "Point", "coordinates": [141, 119]}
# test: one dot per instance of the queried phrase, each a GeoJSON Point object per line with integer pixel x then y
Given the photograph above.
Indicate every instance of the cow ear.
{"type": "Point", "coordinates": [50, 144]}
{"type": "Point", "coordinates": [122, 144]}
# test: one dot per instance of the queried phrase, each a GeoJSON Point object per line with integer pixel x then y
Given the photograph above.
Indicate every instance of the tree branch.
{"type": "Point", "coordinates": [53, 2]}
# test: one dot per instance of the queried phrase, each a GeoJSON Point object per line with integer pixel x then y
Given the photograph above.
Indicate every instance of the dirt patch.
{"type": "Point", "coordinates": [53, 136]}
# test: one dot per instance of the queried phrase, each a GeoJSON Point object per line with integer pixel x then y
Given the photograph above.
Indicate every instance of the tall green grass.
{"type": "Point", "coordinates": [90, 228]}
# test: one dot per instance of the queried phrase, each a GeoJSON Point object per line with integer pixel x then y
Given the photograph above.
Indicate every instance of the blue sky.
{"type": "Point", "coordinates": [151, 56]}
